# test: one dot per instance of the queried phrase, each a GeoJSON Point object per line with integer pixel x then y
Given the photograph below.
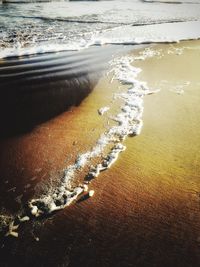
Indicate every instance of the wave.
{"type": "Point", "coordinates": [128, 123]}
{"type": "Point", "coordinates": [122, 35]}
{"type": "Point", "coordinates": [90, 21]}
{"type": "Point", "coordinates": [125, 12]}
{"type": "Point", "coordinates": [47, 27]}
{"type": "Point", "coordinates": [159, 33]}
{"type": "Point", "coordinates": [69, 20]}
{"type": "Point", "coordinates": [47, 84]}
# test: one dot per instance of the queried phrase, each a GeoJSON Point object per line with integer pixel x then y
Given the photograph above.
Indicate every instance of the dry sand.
{"type": "Point", "coordinates": [146, 208]}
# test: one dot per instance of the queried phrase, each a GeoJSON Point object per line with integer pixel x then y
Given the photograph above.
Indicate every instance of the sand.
{"type": "Point", "coordinates": [146, 208]}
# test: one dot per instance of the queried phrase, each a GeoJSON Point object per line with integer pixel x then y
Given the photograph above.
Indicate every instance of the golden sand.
{"type": "Point", "coordinates": [146, 208]}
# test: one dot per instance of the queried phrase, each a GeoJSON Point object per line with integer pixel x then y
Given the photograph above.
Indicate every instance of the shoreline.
{"type": "Point", "coordinates": [146, 207]}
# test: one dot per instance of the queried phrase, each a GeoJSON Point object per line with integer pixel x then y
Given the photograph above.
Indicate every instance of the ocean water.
{"type": "Point", "coordinates": [72, 25]}
{"type": "Point", "coordinates": [77, 29]}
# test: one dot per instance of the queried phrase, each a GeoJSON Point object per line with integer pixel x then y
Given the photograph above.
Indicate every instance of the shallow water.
{"type": "Point", "coordinates": [146, 202]}
{"type": "Point", "coordinates": [45, 168]}
{"type": "Point", "coordinates": [36, 88]}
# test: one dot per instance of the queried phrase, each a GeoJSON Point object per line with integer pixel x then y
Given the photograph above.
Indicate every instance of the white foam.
{"type": "Point", "coordinates": [159, 33]}
{"type": "Point", "coordinates": [126, 34]}
{"type": "Point", "coordinates": [12, 230]}
{"type": "Point", "coordinates": [148, 52]}
{"type": "Point", "coordinates": [41, 49]}
{"type": "Point", "coordinates": [128, 123]}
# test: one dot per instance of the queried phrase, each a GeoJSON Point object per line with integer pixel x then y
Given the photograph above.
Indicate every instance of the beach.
{"type": "Point", "coordinates": [146, 207]}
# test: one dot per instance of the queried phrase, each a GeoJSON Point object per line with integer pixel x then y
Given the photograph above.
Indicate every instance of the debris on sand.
{"type": "Point", "coordinates": [24, 219]}
{"type": "Point", "coordinates": [103, 110]}
{"type": "Point", "coordinates": [91, 193]}
{"type": "Point", "coordinates": [12, 230]}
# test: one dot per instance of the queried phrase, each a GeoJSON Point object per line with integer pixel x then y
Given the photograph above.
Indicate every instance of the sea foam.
{"type": "Point", "coordinates": [121, 35]}
{"type": "Point", "coordinates": [128, 122]}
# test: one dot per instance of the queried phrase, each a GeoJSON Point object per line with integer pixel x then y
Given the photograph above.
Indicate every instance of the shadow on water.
{"type": "Point", "coordinates": [37, 88]}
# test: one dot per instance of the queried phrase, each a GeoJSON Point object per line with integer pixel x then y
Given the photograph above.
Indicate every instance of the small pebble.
{"type": "Point", "coordinates": [91, 193]}
{"type": "Point", "coordinates": [85, 188]}
{"type": "Point", "coordinates": [102, 110]}
{"type": "Point", "coordinates": [24, 219]}
{"type": "Point", "coordinates": [34, 210]}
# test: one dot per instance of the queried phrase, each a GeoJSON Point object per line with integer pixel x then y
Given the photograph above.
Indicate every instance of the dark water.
{"type": "Point", "coordinates": [34, 89]}
{"type": "Point", "coordinates": [39, 87]}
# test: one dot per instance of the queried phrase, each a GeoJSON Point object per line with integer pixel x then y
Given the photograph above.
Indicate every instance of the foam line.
{"type": "Point", "coordinates": [128, 123]}
{"type": "Point", "coordinates": [125, 34]}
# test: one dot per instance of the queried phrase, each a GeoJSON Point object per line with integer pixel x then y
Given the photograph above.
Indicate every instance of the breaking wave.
{"type": "Point", "coordinates": [33, 28]}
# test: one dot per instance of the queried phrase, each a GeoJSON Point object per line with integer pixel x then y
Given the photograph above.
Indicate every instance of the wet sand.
{"type": "Point", "coordinates": [146, 208]}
